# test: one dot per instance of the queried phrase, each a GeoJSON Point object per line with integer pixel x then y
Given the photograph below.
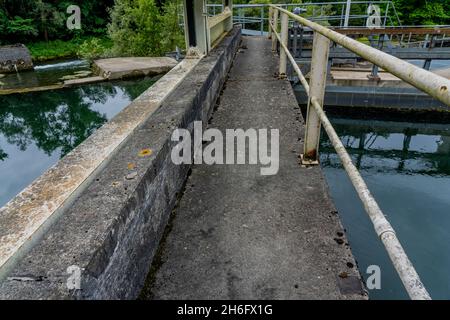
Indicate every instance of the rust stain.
{"type": "Point", "coordinates": [310, 155]}
{"type": "Point", "coordinates": [145, 153]}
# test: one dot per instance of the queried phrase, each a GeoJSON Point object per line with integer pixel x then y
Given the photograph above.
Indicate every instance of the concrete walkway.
{"type": "Point", "coordinates": [239, 235]}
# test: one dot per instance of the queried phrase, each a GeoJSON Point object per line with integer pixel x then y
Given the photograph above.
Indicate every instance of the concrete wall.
{"type": "Point", "coordinates": [114, 227]}
{"type": "Point", "coordinates": [15, 55]}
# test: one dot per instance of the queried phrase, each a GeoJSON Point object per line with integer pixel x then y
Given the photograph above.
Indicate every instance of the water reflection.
{"type": "Point", "coordinates": [391, 146]}
{"type": "Point", "coordinates": [407, 168]}
{"type": "Point", "coordinates": [37, 129]}
{"type": "Point", "coordinates": [45, 74]}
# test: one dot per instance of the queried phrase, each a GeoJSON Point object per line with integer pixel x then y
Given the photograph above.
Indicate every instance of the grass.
{"type": "Point", "coordinates": [56, 49]}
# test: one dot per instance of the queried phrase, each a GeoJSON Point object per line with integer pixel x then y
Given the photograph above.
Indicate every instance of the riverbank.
{"type": "Point", "coordinates": [71, 73]}
{"type": "Point", "coordinates": [56, 49]}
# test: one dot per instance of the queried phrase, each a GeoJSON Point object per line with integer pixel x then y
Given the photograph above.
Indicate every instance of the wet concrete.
{"type": "Point", "coordinates": [120, 68]}
{"type": "Point", "coordinates": [239, 235]}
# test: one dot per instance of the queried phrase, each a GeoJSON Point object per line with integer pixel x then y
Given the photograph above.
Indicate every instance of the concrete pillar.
{"type": "Point", "coordinates": [317, 83]}
{"type": "Point", "coordinates": [196, 25]}
{"type": "Point", "coordinates": [284, 39]}
{"type": "Point", "coordinates": [229, 22]}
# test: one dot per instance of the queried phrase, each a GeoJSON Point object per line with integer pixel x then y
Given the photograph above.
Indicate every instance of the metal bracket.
{"type": "Point", "coordinates": [306, 162]}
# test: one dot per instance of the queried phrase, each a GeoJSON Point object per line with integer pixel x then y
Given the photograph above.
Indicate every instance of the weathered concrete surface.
{"type": "Point", "coordinates": [77, 82]}
{"type": "Point", "coordinates": [15, 58]}
{"type": "Point", "coordinates": [26, 217]}
{"type": "Point", "coordinates": [113, 227]}
{"type": "Point", "coordinates": [239, 235]}
{"type": "Point", "coordinates": [32, 89]}
{"type": "Point", "coordinates": [360, 77]}
{"type": "Point", "coordinates": [108, 69]}
{"type": "Point", "coordinates": [119, 68]}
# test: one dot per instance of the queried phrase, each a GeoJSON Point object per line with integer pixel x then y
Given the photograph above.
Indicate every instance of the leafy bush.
{"type": "Point", "coordinates": [34, 20]}
{"type": "Point", "coordinates": [94, 48]}
{"type": "Point", "coordinates": [172, 33]}
{"type": "Point", "coordinates": [139, 28]}
{"type": "Point", "coordinates": [48, 50]}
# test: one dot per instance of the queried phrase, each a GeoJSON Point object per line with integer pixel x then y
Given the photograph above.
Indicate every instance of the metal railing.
{"type": "Point", "coordinates": [254, 19]}
{"type": "Point", "coordinates": [436, 86]}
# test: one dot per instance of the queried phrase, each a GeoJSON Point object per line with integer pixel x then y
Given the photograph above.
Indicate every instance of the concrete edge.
{"type": "Point", "coordinates": [113, 229]}
{"type": "Point", "coordinates": [25, 218]}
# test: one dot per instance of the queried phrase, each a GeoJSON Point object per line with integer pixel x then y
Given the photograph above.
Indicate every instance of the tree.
{"type": "Point", "coordinates": [28, 20]}
{"type": "Point", "coordinates": [420, 12]}
{"type": "Point", "coordinates": [138, 28]}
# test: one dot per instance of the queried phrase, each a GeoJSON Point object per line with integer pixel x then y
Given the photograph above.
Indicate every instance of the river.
{"type": "Point", "coordinates": [407, 168]}
{"type": "Point", "coordinates": [37, 129]}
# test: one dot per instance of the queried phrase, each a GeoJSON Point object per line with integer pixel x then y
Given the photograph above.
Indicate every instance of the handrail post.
{"type": "Point", "coordinates": [284, 39]}
{"type": "Point", "coordinates": [262, 20]}
{"type": "Point", "coordinates": [270, 22]}
{"type": "Point", "coordinates": [317, 82]}
{"type": "Point", "coordinates": [275, 29]}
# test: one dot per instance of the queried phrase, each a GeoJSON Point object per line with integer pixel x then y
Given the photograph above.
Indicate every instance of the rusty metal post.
{"type": "Point", "coordinates": [275, 29]}
{"type": "Point", "coordinates": [318, 79]}
{"type": "Point", "coordinates": [284, 39]}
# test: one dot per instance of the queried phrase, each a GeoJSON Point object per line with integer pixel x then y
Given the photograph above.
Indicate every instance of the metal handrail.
{"type": "Point", "coordinates": [436, 86]}
{"type": "Point", "coordinates": [389, 3]}
{"type": "Point", "coordinates": [428, 82]}
{"type": "Point", "coordinates": [262, 20]}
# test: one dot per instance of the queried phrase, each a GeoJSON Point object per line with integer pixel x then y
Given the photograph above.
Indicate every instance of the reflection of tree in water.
{"type": "Point", "coordinates": [359, 141]}
{"type": "Point", "coordinates": [54, 119]}
{"type": "Point", "coordinates": [59, 119]}
{"type": "Point", "coordinates": [134, 88]}
{"type": "Point", "coordinates": [3, 155]}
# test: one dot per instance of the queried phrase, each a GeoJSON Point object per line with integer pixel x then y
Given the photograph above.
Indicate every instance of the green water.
{"type": "Point", "coordinates": [407, 168]}
{"type": "Point", "coordinates": [37, 129]}
{"type": "Point", "coordinates": [45, 74]}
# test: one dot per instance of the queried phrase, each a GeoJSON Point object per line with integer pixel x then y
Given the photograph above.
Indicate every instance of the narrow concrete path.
{"type": "Point", "coordinates": [239, 235]}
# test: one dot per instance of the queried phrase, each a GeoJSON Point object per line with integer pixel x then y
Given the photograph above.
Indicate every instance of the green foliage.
{"type": "Point", "coordinates": [54, 49]}
{"type": "Point", "coordinates": [420, 12]}
{"type": "Point", "coordinates": [139, 28]}
{"type": "Point", "coordinates": [34, 20]}
{"type": "Point", "coordinates": [319, 12]}
{"type": "Point", "coordinates": [172, 34]}
{"type": "Point", "coordinates": [21, 27]}
{"type": "Point", "coordinates": [48, 50]}
{"type": "Point", "coordinates": [94, 48]}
